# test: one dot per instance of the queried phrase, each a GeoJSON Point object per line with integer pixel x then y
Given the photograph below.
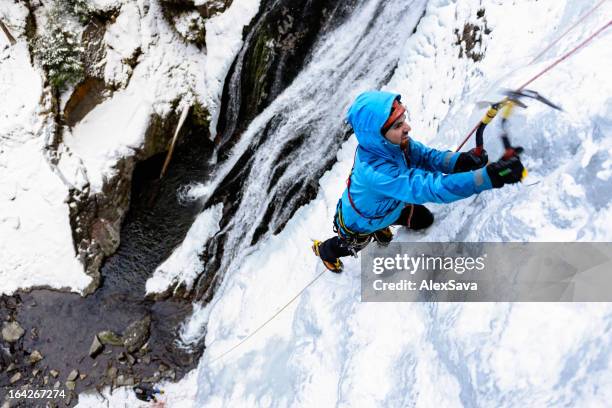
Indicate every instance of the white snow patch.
{"type": "Point", "coordinates": [176, 395]}
{"type": "Point", "coordinates": [192, 329]}
{"type": "Point", "coordinates": [36, 246]}
{"type": "Point", "coordinates": [123, 39]}
{"type": "Point", "coordinates": [193, 192]}
{"type": "Point", "coordinates": [189, 24]}
{"type": "Point", "coordinates": [184, 265]}
{"type": "Point", "coordinates": [112, 130]}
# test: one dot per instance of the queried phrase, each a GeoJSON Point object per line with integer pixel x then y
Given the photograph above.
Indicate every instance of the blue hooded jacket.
{"type": "Point", "coordinates": [384, 180]}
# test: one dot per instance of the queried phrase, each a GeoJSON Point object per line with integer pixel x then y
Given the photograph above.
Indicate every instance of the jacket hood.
{"type": "Point", "coordinates": [367, 115]}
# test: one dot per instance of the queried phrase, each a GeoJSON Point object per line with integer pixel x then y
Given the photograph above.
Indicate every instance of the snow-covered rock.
{"type": "Point", "coordinates": [36, 247]}
{"type": "Point", "coordinates": [147, 70]}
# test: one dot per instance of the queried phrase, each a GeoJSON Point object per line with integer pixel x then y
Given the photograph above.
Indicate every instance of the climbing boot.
{"type": "Point", "coordinates": [335, 267]}
{"type": "Point", "coordinates": [383, 236]}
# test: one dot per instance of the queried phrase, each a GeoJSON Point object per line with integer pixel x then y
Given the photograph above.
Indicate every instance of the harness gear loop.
{"type": "Point", "coordinates": [355, 241]}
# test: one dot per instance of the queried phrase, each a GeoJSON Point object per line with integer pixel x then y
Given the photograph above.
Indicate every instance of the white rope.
{"type": "Point", "coordinates": [261, 326]}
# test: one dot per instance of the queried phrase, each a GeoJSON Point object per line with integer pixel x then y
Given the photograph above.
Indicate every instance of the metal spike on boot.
{"type": "Point", "coordinates": [384, 236]}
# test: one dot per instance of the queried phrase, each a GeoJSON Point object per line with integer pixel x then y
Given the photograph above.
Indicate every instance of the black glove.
{"type": "Point", "coordinates": [471, 161]}
{"type": "Point", "coordinates": [505, 171]}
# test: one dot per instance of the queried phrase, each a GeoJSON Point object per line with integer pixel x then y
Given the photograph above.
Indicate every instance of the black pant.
{"type": "Point", "coordinates": [414, 217]}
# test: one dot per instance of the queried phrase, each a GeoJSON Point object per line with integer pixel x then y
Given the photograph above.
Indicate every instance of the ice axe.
{"type": "Point", "coordinates": [516, 96]}
{"type": "Point", "coordinates": [513, 98]}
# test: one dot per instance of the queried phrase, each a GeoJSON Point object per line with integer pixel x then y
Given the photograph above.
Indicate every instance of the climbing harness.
{"type": "Point", "coordinates": [351, 240]}
{"type": "Point", "coordinates": [493, 110]}
{"type": "Point", "coordinates": [405, 147]}
{"type": "Point", "coordinates": [354, 241]}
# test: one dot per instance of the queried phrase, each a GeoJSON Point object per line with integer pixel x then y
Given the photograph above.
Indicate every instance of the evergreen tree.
{"type": "Point", "coordinates": [59, 51]}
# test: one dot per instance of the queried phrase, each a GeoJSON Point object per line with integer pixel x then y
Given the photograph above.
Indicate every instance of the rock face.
{"type": "Point", "coordinates": [188, 20]}
{"type": "Point", "coordinates": [110, 338]}
{"type": "Point", "coordinates": [136, 334]}
{"type": "Point", "coordinates": [85, 97]}
{"type": "Point", "coordinates": [95, 348]}
{"type": "Point", "coordinates": [277, 45]}
{"type": "Point", "coordinates": [469, 39]}
{"type": "Point", "coordinates": [94, 47]}
{"type": "Point", "coordinates": [96, 216]}
{"type": "Point", "coordinates": [274, 52]}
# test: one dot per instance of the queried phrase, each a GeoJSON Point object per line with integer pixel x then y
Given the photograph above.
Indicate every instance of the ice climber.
{"type": "Point", "coordinates": [146, 392]}
{"type": "Point", "coordinates": [393, 175]}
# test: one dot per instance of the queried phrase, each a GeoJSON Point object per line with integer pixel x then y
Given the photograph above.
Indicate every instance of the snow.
{"type": "Point", "coordinates": [191, 330]}
{"type": "Point", "coordinates": [112, 130]}
{"type": "Point", "coordinates": [179, 395]}
{"type": "Point", "coordinates": [187, 24]}
{"type": "Point", "coordinates": [105, 5]}
{"type": "Point", "coordinates": [167, 70]}
{"type": "Point", "coordinates": [327, 348]}
{"type": "Point", "coordinates": [184, 264]}
{"type": "Point", "coordinates": [123, 39]}
{"type": "Point", "coordinates": [36, 246]}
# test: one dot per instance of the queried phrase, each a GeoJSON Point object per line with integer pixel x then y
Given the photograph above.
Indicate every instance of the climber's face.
{"type": "Point", "coordinates": [398, 131]}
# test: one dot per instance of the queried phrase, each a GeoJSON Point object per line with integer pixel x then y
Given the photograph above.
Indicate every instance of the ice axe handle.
{"type": "Point", "coordinates": [511, 152]}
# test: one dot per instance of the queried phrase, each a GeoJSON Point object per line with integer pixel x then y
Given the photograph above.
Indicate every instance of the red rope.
{"type": "Point", "coordinates": [584, 16]}
{"type": "Point", "coordinates": [545, 70]}
{"type": "Point", "coordinates": [582, 44]}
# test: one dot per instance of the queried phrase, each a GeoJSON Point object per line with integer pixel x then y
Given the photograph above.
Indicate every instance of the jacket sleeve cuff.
{"type": "Point", "coordinates": [482, 181]}
{"type": "Point", "coordinates": [453, 161]}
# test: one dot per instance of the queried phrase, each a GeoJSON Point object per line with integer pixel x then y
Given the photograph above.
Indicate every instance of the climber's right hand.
{"type": "Point", "coordinates": [506, 171]}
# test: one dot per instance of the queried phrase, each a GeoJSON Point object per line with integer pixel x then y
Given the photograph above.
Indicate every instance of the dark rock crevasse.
{"type": "Point", "coordinates": [277, 45]}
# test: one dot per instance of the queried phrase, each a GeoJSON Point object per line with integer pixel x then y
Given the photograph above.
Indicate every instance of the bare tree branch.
{"type": "Point", "coordinates": [7, 33]}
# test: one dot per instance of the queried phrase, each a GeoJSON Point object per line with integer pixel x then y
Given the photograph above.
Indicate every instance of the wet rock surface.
{"type": "Point", "coordinates": [470, 38]}
{"type": "Point", "coordinates": [86, 96]}
{"type": "Point", "coordinates": [277, 46]}
{"type": "Point", "coordinates": [96, 218]}
{"type": "Point", "coordinates": [66, 329]}
{"type": "Point", "coordinates": [60, 356]}
{"type": "Point", "coordinates": [136, 334]}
